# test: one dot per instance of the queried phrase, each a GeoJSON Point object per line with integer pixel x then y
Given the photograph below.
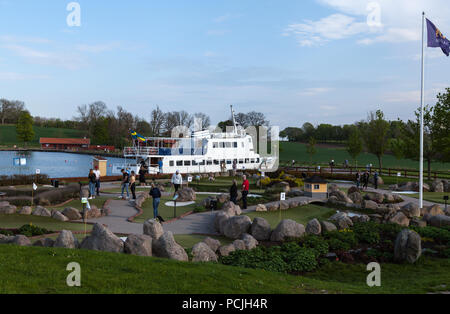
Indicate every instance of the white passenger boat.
{"type": "Point", "coordinates": [198, 152]}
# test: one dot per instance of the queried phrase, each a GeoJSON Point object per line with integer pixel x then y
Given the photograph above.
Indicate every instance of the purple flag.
{"type": "Point", "coordinates": [436, 39]}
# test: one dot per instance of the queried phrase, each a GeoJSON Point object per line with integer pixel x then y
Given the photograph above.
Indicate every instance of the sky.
{"type": "Point", "coordinates": [318, 61]}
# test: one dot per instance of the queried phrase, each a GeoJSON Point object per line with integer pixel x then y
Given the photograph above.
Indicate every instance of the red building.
{"type": "Point", "coordinates": [65, 143]}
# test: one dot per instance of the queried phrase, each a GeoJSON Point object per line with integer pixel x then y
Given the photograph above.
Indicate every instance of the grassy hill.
{"type": "Point", "coordinates": [324, 155]}
{"type": "Point", "coordinates": [8, 136]}
{"type": "Point", "coordinates": [43, 270]}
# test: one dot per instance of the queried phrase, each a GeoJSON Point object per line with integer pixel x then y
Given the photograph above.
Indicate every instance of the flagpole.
{"type": "Point", "coordinates": [422, 103]}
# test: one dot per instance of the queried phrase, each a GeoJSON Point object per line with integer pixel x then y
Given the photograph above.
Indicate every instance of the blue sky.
{"type": "Point", "coordinates": [295, 61]}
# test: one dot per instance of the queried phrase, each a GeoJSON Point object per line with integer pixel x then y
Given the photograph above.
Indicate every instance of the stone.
{"type": "Point", "coordinates": [408, 246]}
{"type": "Point", "coordinates": [287, 229]}
{"type": "Point", "coordinates": [41, 211]}
{"type": "Point", "coordinates": [284, 205]}
{"type": "Point", "coordinates": [201, 252]}
{"type": "Point", "coordinates": [356, 197]}
{"type": "Point", "coordinates": [167, 247]}
{"type": "Point", "coordinates": [20, 240]}
{"type": "Point", "coordinates": [412, 186]}
{"type": "Point", "coordinates": [327, 226]}
{"type": "Point", "coordinates": [380, 180]}
{"type": "Point", "coordinates": [72, 213]}
{"type": "Point", "coordinates": [271, 207]}
{"type": "Point", "coordinates": [237, 210]}
{"type": "Point", "coordinates": [363, 218]}
{"type": "Point", "coordinates": [439, 221]}
{"type": "Point", "coordinates": [417, 222]}
{"type": "Point", "coordinates": [236, 226]}
{"type": "Point", "coordinates": [437, 186]}
{"type": "Point", "coordinates": [67, 240]}
{"type": "Point", "coordinates": [314, 227]}
{"type": "Point", "coordinates": [222, 198]}
{"type": "Point", "coordinates": [388, 198]}
{"type": "Point", "coordinates": [94, 212]}
{"type": "Point", "coordinates": [261, 208]}
{"type": "Point", "coordinates": [5, 239]}
{"type": "Point", "coordinates": [138, 244]}
{"type": "Point", "coordinates": [249, 241]}
{"type": "Point", "coordinates": [58, 216]}
{"type": "Point", "coordinates": [341, 196]}
{"type": "Point", "coordinates": [411, 210]}
{"type": "Point", "coordinates": [400, 219]}
{"type": "Point", "coordinates": [260, 229]}
{"type": "Point", "coordinates": [375, 197]}
{"type": "Point", "coordinates": [153, 228]}
{"type": "Point", "coordinates": [239, 245]}
{"type": "Point", "coordinates": [26, 210]}
{"type": "Point", "coordinates": [219, 221]}
{"type": "Point", "coordinates": [343, 222]}
{"type": "Point", "coordinates": [353, 189]}
{"type": "Point", "coordinates": [102, 239]}
{"type": "Point", "coordinates": [432, 210]}
{"type": "Point", "coordinates": [367, 204]}
{"type": "Point", "coordinates": [212, 243]}
{"type": "Point", "coordinates": [397, 198]}
{"type": "Point", "coordinates": [229, 208]}
{"type": "Point", "coordinates": [284, 186]}
{"type": "Point", "coordinates": [206, 203]}
{"type": "Point", "coordinates": [47, 242]}
{"type": "Point", "coordinates": [8, 210]}
{"type": "Point", "coordinates": [332, 188]}
{"type": "Point", "coordinates": [293, 203]}
{"type": "Point", "coordinates": [186, 195]}
{"type": "Point", "coordinates": [225, 250]}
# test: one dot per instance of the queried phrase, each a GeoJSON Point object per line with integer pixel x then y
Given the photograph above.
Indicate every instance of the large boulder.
{"type": "Point", "coordinates": [219, 221]}
{"type": "Point", "coordinates": [432, 210]}
{"type": "Point", "coordinates": [8, 210]}
{"type": "Point", "coordinates": [293, 203]}
{"type": "Point", "coordinates": [222, 198]}
{"type": "Point", "coordinates": [411, 210]}
{"type": "Point", "coordinates": [283, 186]}
{"type": "Point", "coordinates": [367, 204]}
{"type": "Point", "coordinates": [439, 221]}
{"type": "Point", "coordinates": [41, 211]}
{"type": "Point", "coordinates": [249, 241]}
{"type": "Point", "coordinates": [138, 244]}
{"type": "Point", "coordinates": [375, 197]}
{"type": "Point", "coordinates": [260, 229]}
{"type": "Point", "coordinates": [400, 219]}
{"type": "Point", "coordinates": [153, 228]}
{"type": "Point", "coordinates": [20, 240]}
{"type": "Point", "coordinates": [239, 245]}
{"type": "Point", "coordinates": [212, 243]}
{"type": "Point", "coordinates": [94, 212]}
{"type": "Point", "coordinates": [58, 216]}
{"type": "Point", "coordinates": [388, 198]}
{"type": "Point", "coordinates": [356, 197]}
{"type": "Point", "coordinates": [229, 208]}
{"type": "Point", "coordinates": [287, 229]}
{"type": "Point", "coordinates": [167, 247]}
{"type": "Point", "coordinates": [261, 208]}
{"type": "Point", "coordinates": [327, 226]}
{"type": "Point", "coordinates": [201, 252]}
{"type": "Point", "coordinates": [353, 189]}
{"type": "Point", "coordinates": [186, 195]}
{"type": "Point", "coordinates": [284, 205]}
{"type": "Point", "coordinates": [72, 213]}
{"type": "Point", "coordinates": [67, 240]}
{"type": "Point", "coordinates": [271, 207]}
{"type": "Point", "coordinates": [380, 180]}
{"type": "Point", "coordinates": [341, 196]}
{"type": "Point", "coordinates": [437, 186]}
{"type": "Point", "coordinates": [102, 239]}
{"type": "Point", "coordinates": [225, 250]}
{"type": "Point", "coordinates": [314, 227]}
{"type": "Point", "coordinates": [26, 210]}
{"type": "Point", "coordinates": [332, 187]}
{"type": "Point", "coordinates": [412, 186]}
{"type": "Point", "coordinates": [236, 226]}
{"type": "Point", "coordinates": [408, 246]}
{"type": "Point", "coordinates": [341, 220]}
{"type": "Point", "coordinates": [47, 242]}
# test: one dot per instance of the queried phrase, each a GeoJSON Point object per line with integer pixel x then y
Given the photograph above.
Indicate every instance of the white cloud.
{"type": "Point", "coordinates": [12, 76]}
{"type": "Point", "coordinates": [313, 91]}
{"type": "Point", "coordinates": [97, 48]}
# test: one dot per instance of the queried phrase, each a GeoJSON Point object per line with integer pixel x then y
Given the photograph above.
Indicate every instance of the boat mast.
{"type": "Point", "coordinates": [234, 120]}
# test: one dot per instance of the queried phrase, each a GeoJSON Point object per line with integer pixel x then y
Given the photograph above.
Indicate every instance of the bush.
{"type": "Point", "coordinates": [367, 232]}
{"type": "Point", "coordinates": [24, 179]}
{"type": "Point", "coordinates": [31, 230]}
{"type": "Point", "coordinates": [345, 236]}
{"type": "Point", "coordinates": [317, 243]}
{"type": "Point", "coordinates": [439, 235]}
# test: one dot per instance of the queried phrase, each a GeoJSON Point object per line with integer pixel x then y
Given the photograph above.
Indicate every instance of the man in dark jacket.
{"type": "Point", "coordinates": [234, 192]}
{"type": "Point", "coordinates": [156, 195]}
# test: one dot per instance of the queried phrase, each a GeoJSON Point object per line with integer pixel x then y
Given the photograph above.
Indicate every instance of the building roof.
{"type": "Point", "coordinates": [75, 141]}
{"type": "Point", "coordinates": [316, 179]}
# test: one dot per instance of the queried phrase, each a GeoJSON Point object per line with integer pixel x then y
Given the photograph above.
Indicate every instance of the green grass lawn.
{"type": "Point", "coordinates": [8, 134]}
{"type": "Point", "coordinates": [43, 270]}
{"type": "Point", "coordinates": [432, 197]}
{"type": "Point", "coordinates": [297, 151]}
{"type": "Point", "coordinates": [17, 221]}
{"type": "Point", "coordinates": [301, 214]}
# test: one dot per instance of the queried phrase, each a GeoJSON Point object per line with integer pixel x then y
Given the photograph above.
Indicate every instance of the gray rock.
{"type": "Point", "coordinates": [271, 207]}
{"type": "Point", "coordinates": [26, 210]}
{"type": "Point", "coordinates": [356, 197]}
{"type": "Point", "coordinates": [225, 250]}
{"type": "Point", "coordinates": [417, 222]}
{"type": "Point", "coordinates": [138, 244]}
{"type": "Point", "coordinates": [375, 197]}
{"type": "Point", "coordinates": [411, 210]}
{"type": "Point", "coordinates": [439, 221]}
{"type": "Point", "coordinates": [58, 216]}
{"type": "Point", "coordinates": [219, 221]}
{"type": "Point", "coordinates": [167, 247]}
{"type": "Point", "coordinates": [249, 241]}
{"type": "Point", "coordinates": [47, 242]}
{"type": "Point", "coordinates": [367, 204]}
{"type": "Point", "coordinates": [261, 208]}
{"type": "Point", "coordinates": [432, 210]}
{"type": "Point", "coordinates": [341, 196]}
{"type": "Point", "coordinates": [67, 240]}
{"type": "Point", "coordinates": [201, 252]}
{"type": "Point", "coordinates": [186, 195]}
{"type": "Point", "coordinates": [229, 208]}
{"type": "Point", "coordinates": [102, 239]}
{"type": "Point", "coordinates": [153, 228]}
{"type": "Point", "coordinates": [284, 205]}
{"type": "Point", "coordinates": [314, 227]}
{"type": "Point", "coordinates": [20, 240]}
{"type": "Point", "coordinates": [437, 186]}
{"type": "Point", "coordinates": [408, 246]}
{"type": "Point", "coordinates": [400, 219]}
{"type": "Point", "coordinates": [236, 226]}
{"type": "Point", "coordinates": [8, 210]}
{"type": "Point", "coordinates": [239, 245]}
{"type": "Point", "coordinates": [332, 188]}
{"type": "Point", "coordinates": [41, 211]}
{"type": "Point", "coordinates": [260, 229]}
{"type": "Point", "coordinates": [389, 198]}
{"type": "Point", "coordinates": [72, 213]}
{"type": "Point", "coordinates": [327, 226]}
{"type": "Point", "coordinates": [212, 243]}
{"type": "Point", "coordinates": [287, 229]}
{"type": "Point", "coordinates": [293, 203]}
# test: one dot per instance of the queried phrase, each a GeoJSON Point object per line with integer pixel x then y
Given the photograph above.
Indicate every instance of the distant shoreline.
{"type": "Point", "coordinates": [95, 153]}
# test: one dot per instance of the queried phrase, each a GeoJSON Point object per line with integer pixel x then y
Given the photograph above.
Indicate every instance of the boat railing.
{"type": "Point", "coordinates": [159, 151]}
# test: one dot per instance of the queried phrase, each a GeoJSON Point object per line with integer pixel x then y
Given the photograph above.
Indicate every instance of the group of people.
{"type": "Point", "coordinates": [363, 180]}
{"type": "Point", "coordinates": [94, 182]}
{"type": "Point", "coordinates": [244, 190]}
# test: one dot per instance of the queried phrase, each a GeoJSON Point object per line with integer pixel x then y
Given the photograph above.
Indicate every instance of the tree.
{"type": "Point", "coordinates": [203, 119]}
{"type": "Point", "coordinates": [293, 134]}
{"type": "Point", "coordinates": [24, 127]}
{"type": "Point", "coordinates": [397, 147]}
{"type": "Point", "coordinates": [375, 136]}
{"type": "Point", "coordinates": [441, 126]}
{"type": "Point", "coordinates": [157, 120]}
{"type": "Point", "coordinates": [355, 145]}
{"type": "Point", "coordinates": [311, 148]}
{"type": "Point", "coordinates": [10, 110]}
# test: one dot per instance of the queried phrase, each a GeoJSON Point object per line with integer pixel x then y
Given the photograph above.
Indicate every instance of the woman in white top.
{"type": "Point", "coordinates": [177, 180]}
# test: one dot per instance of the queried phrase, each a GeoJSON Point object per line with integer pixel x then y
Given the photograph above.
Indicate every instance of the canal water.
{"type": "Point", "coordinates": [55, 165]}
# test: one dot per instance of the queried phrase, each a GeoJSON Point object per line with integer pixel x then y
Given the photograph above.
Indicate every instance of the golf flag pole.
{"type": "Point", "coordinates": [422, 104]}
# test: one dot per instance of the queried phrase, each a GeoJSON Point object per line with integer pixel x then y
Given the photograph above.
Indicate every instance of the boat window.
{"type": "Point", "coordinates": [247, 160]}
{"type": "Point", "coordinates": [252, 161]}
{"type": "Point", "coordinates": [202, 163]}
{"type": "Point", "coordinates": [229, 162]}
{"type": "Point", "coordinates": [215, 145]}
{"type": "Point", "coordinates": [235, 145]}
{"type": "Point", "coordinates": [228, 144]}
{"type": "Point", "coordinates": [194, 163]}
{"type": "Point", "coordinates": [209, 162]}
{"type": "Point", "coordinates": [222, 145]}
{"type": "Point", "coordinates": [241, 161]}
{"type": "Point", "coordinates": [187, 162]}
{"type": "Point", "coordinates": [216, 162]}
{"type": "Point", "coordinates": [179, 162]}
{"type": "Point", "coordinates": [171, 163]}
{"type": "Point", "coordinates": [257, 160]}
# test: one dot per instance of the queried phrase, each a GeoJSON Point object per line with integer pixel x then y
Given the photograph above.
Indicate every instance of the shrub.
{"type": "Point", "coordinates": [265, 181]}
{"type": "Point", "coordinates": [439, 235]}
{"type": "Point", "coordinates": [367, 232]}
{"type": "Point", "coordinates": [31, 230]}
{"type": "Point", "coordinates": [24, 179]}
{"type": "Point", "coordinates": [317, 243]}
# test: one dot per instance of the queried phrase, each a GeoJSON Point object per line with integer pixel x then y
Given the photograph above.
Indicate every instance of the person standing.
{"type": "Point", "coordinates": [177, 180]}
{"type": "Point", "coordinates": [234, 192]}
{"type": "Point", "coordinates": [358, 179]}
{"type": "Point", "coordinates": [234, 167]}
{"type": "Point", "coordinates": [133, 184]}
{"type": "Point", "coordinates": [375, 180]}
{"type": "Point", "coordinates": [97, 182]}
{"type": "Point", "coordinates": [156, 195]}
{"type": "Point", "coordinates": [125, 183]}
{"type": "Point", "coordinates": [160, 165]}
{"type": "Point", "coordinates": [92, 179]}
{"type": "Point", "coordinates": [142, 173]}
{"type": "Point", "coordinates": [366, 180]}
{"type": "Point", "coordinates": [245, 190]}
